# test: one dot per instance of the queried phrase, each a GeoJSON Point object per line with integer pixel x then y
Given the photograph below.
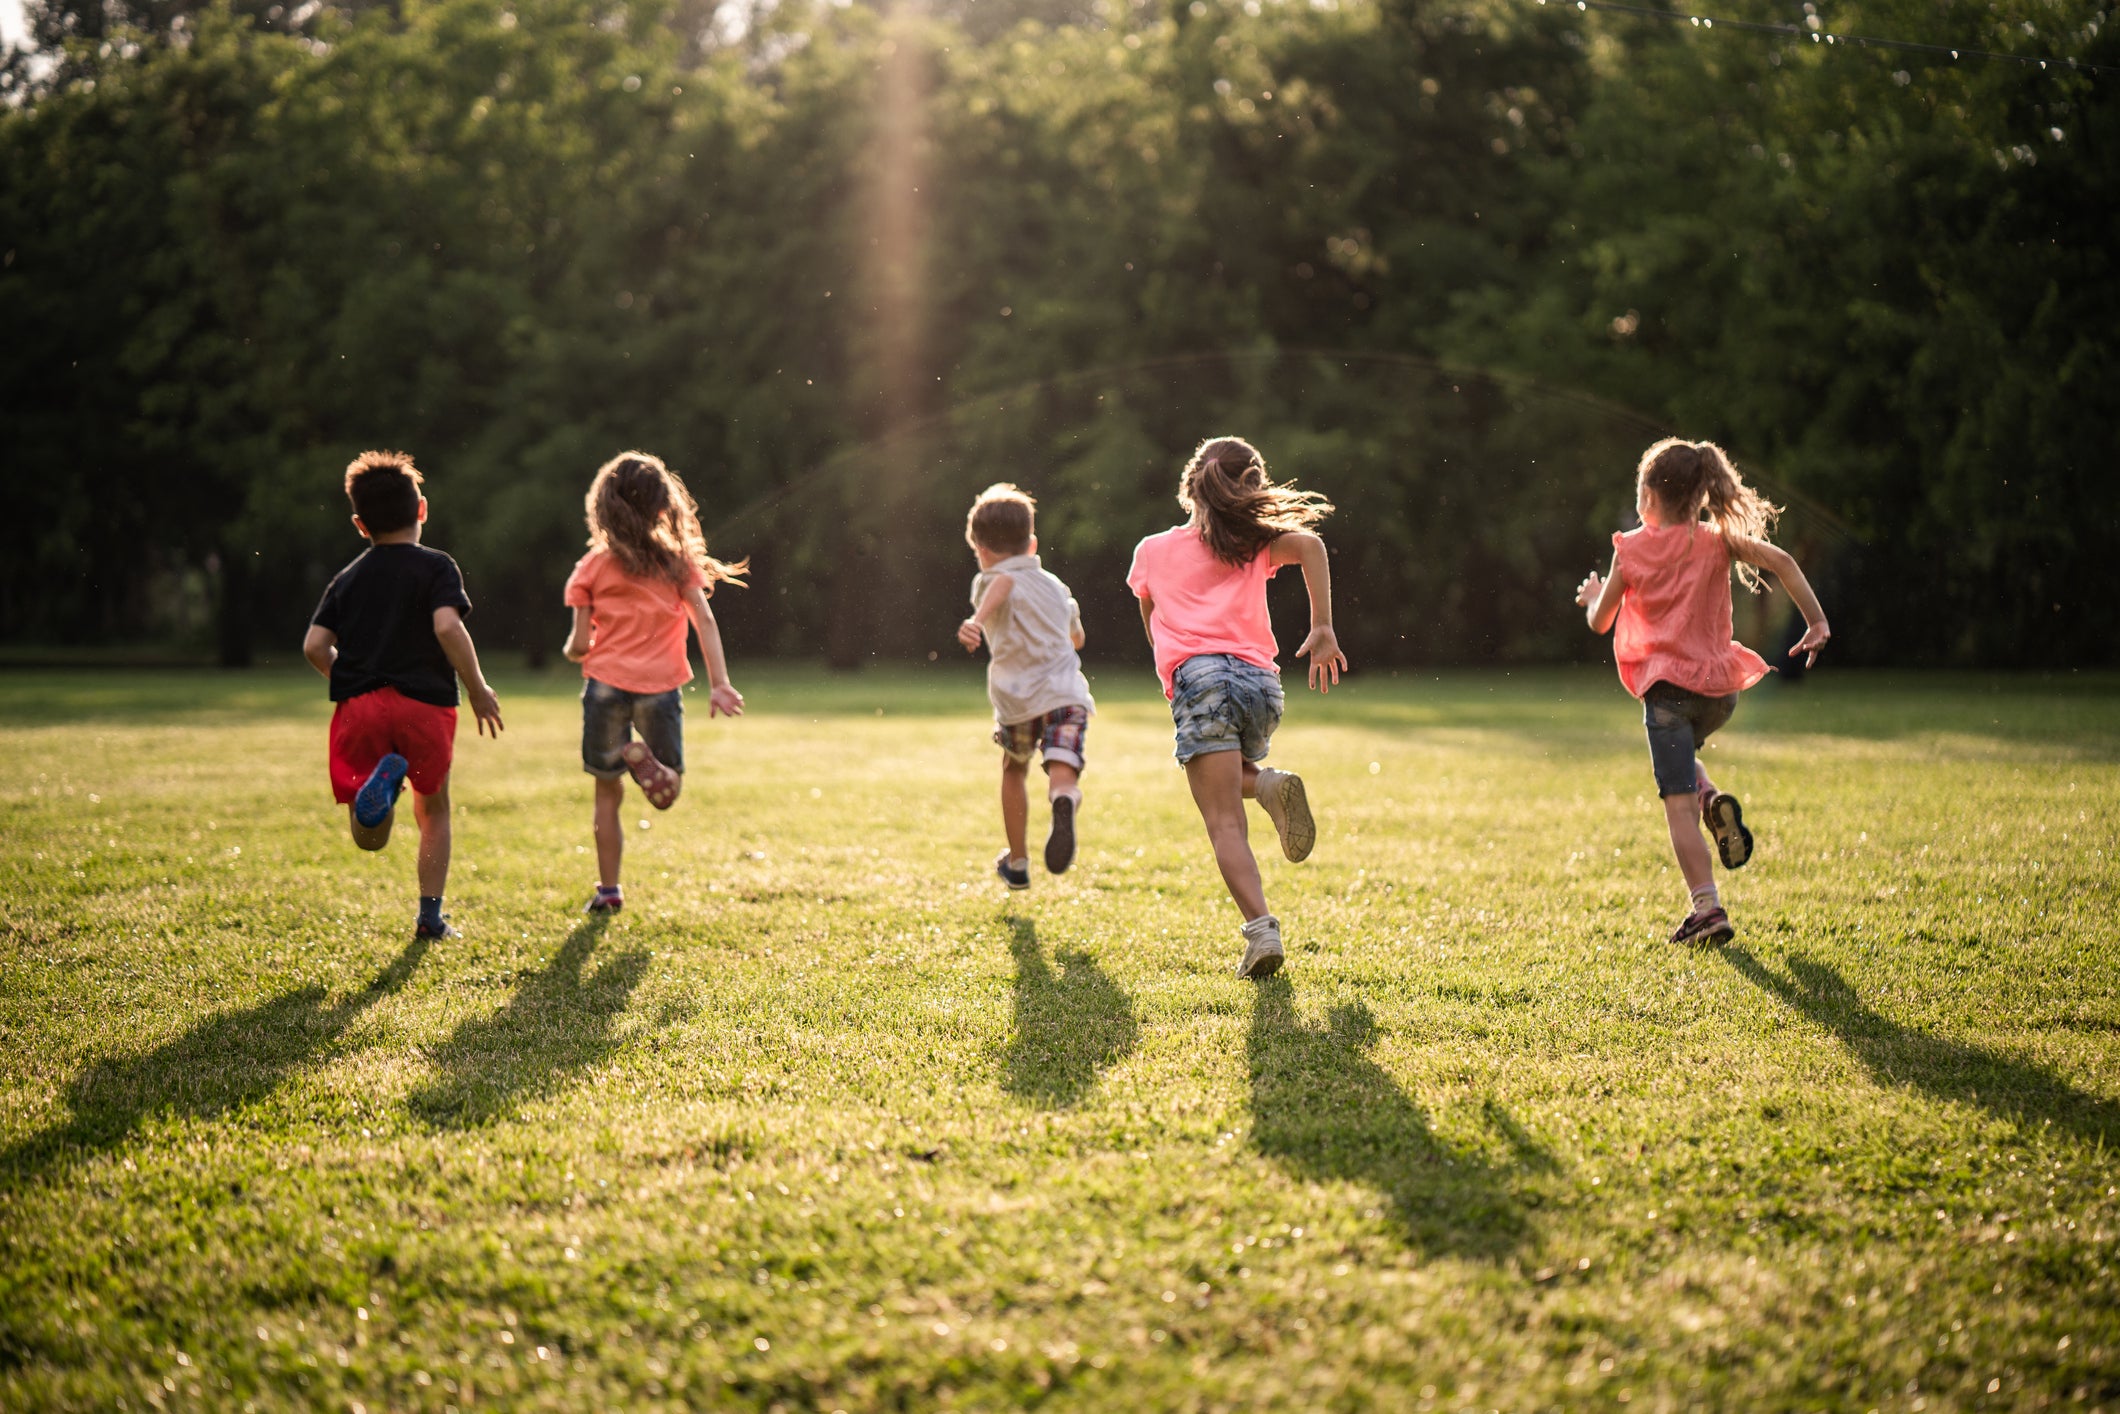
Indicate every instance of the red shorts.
{"type": "Point", "coordinates": [367, 728]}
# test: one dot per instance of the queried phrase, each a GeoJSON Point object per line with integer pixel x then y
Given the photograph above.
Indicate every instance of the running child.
{"type": "Point", "coordinates": [1202, 587]}
{"type": "Point", "coordinates": [1032, 628]}
{"type": "Point", "coordinates": [389, 635]}
{"type": "Point", "coordinates": [647, 574]}
{"type": "Point", "coordinates": [1669, 595]}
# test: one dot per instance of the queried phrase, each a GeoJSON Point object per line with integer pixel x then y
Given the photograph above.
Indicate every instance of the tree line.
{"type": "Point", "coordinates": [1453, 264]}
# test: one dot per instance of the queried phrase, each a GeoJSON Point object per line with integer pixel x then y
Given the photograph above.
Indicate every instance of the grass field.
{"type": "Point", "coordinates": [826, 1120]}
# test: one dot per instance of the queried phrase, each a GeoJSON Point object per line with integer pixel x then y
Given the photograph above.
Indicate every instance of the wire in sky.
{"type": "Point", "coordinates": [1822, 36]}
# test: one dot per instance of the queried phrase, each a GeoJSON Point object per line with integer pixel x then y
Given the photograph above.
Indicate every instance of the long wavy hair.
{"type": "Point", "coordinates": [1239, 508]}
{"type": "Point", "coordinates": [1688, 478]}
{"type": "Point", "coordinates": [640, 511]}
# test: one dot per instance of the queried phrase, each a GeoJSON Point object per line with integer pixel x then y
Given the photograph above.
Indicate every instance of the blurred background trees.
{"type": "Point", "coordinates": [1454, 264]}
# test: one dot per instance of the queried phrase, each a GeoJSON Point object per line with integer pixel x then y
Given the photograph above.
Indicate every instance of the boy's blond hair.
{"type": "Point", "coordinates": [1002, 520]}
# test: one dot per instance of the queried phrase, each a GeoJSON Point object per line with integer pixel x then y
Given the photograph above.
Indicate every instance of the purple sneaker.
{"type": "Point", "coordinates": [1709, 925]}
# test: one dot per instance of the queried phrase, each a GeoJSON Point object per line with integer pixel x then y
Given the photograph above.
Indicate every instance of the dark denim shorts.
{"type": "Point", "coordinates": [1678, 721]}
{"type": "Point", "coordinates": [1221, 703]}
{"type": "Point", "coordinates": [610, 716]}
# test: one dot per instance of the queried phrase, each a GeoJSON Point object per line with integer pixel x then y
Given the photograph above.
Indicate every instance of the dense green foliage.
{"type": "Point", "coordinates": [1451, 263]}
{"type": "Point", "coordinates": [826, 1120]}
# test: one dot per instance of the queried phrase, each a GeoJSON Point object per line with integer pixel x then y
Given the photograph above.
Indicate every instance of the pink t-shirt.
{"type": "Point", "coordinates": [1202, 604]}
{"type": "Point", "coordinates": [639, 625]}
{"type": "Point", "coordinates": [1674, 614]}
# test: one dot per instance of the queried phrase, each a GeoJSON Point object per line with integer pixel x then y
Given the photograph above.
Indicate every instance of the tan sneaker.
{"type": "Point", "coordinates": [1282, 796]}
{"type": "Point", "coordinates": [1262, 948]}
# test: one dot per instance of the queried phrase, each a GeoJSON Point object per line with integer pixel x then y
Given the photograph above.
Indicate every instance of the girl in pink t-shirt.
{"type": "Point", "coordinates": [1669, 597]}
{"type": "Point", "coordinates": [1202, 587]}
{"type": "Point", "coordinates": [644, 581]}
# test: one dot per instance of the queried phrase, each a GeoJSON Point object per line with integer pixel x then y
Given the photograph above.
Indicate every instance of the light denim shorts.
{"type": "Point", "coordinates": [1678, 721]}
{"type": "Point", "coordinates": [1221, 703]}
{"type": "Point", "coordinates": [610, 716]}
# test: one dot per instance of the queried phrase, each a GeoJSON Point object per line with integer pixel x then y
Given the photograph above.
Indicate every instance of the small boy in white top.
{"type": "Point", "coordinates": [1032, 628]}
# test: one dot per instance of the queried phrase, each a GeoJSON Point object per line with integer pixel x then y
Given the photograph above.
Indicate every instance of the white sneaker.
{"type": "Point", "coordinates": [1262, 948]}
{"type": "Point", "coordinates": [1282, 797]}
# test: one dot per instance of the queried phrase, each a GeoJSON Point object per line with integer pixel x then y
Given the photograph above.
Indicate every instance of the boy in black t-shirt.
{"type": "Point", "coordinates": [390, 636]}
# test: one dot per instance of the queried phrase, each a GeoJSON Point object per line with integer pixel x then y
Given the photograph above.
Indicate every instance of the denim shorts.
{"type": "Point", "coordinates": [610, 716]}
{"type": "Point", "coordinates": [1058, 734]}
{"type": "Point", "coordinates": [1221, 703]}
{"type": "Point", "coordinates": [1678, 721]}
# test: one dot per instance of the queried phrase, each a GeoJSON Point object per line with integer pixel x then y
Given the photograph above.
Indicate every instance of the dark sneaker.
{"type": "Point", "coordinates": [1725, 820]}
{"type": "Point", "coordinates": [439, 929]}
{"type": "Point", "coordinates": [1060, 844]}
{"type": "Point", "coordinates": [1014, 878]}
{"type": "Point", "coordinates": [605, 901]}
{"type": "Point", "coordinates": [378, 794]}
{"type": "Point", "coordinates": [657, 782]}
{"type": "Point", "coordinates": [1710, 925]}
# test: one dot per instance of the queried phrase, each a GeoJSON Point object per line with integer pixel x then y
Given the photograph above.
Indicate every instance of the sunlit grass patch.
{"type": "Point", "coordinates": [825, 1119]}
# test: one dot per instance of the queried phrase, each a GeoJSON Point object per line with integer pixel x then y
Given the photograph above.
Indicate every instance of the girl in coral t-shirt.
{"type": "Point", "coordinates": [1668, 599]}
{"type": "Point", "coordinates": [1202, 587]}
{"type": "Point", "coordinates": [645, 579]}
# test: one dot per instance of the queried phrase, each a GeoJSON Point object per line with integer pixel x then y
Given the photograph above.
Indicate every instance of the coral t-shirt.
{"type": "Point", "coordinates": [638, 621]}
{"type": "Point", "coordinates": [1203, 604]}
{"type": "Point", "coordinates": [1674, 613]}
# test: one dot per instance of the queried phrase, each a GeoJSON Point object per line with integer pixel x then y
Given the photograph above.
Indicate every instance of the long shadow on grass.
{"type": "Point", "coordinates": [2017, 1090]}
{"type": "Point", "coordinates": [1069, 1027]}
{"type": "Point", "coordinates": [222, 1064]}
{"type": "Point", "coordinates": [557, 1023]}
{"type": "Point", "coordinates": [1325, 1110]}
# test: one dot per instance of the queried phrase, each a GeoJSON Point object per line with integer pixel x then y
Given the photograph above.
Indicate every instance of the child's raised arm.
{"type": "Point", "coordinates": [321, 647]}
{"type": "Point", "coordinates": [456, 643]}
{"type": "Point", "coordinates": [1322, 644]}
{"type": "Point", "coordinates": [581, 637]}
{"type": "Point", "coordinates": [973, 629]}
{"type": "Point", "coordinates": [1601, 596]}
{"type": "Point", "coordinates": [1782, 565]}
{"type": "Point", "coordinates": [722, 696]}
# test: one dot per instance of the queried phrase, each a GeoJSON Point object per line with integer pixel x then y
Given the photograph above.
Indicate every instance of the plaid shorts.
{"type": "Point", "coordinates": [1058, 734]}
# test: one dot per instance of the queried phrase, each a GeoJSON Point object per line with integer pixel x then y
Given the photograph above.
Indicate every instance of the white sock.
{"type": "Point", "coordinates": [1019, 861]}
{"type": "Point", "coordinates": [1706, 897]}
{"type": "Point", "coordinates": [1075, 795]}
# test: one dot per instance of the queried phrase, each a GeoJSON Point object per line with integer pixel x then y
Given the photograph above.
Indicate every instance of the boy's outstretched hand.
{"type": "Point", "coordinates": [1586, 593]}
{"type": "Point", "coordinates": [1322, 647]}
{"type": "Point", "coordinates": [486, 706]}
{"type": "Point", "coordinates": [970, 635]}
{"type": "Point", "coordinates": [723, 700]}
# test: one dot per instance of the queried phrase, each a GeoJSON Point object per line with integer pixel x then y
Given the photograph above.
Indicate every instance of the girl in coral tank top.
{"type": "Point", "coordinates": [1667, 601]}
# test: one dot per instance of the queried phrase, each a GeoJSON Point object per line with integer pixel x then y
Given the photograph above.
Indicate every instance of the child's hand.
{"type": "Point", "coordinates": [1814, 638]}
{"type": "Point", "coordinates": [1322, 647]}
{"type": "Point", "coordinates": [1586, 593]}
{"type": "Point", "coordinates": [723, 700]}
{"type": "Point", "coordinates": [970, 635]}
{"type": "Point", "coordinates": [486, 706]}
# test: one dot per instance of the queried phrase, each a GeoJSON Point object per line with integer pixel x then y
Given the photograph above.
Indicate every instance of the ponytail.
{"type": "Point", "coordinates": [1689, 477]}
{"type": "Point", "coordinates": [1240, 509]}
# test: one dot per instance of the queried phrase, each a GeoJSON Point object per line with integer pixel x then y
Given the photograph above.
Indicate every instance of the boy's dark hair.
{"type": "Point", "coordinates": [385, 490]}
{"type": "Point", "coordinates": [1002, 519]}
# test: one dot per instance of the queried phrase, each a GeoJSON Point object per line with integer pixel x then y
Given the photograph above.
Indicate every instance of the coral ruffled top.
{"type": "Point", "coordinates": [1674, 614]}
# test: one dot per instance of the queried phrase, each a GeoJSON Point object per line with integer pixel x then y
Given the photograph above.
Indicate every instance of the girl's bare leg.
{"type": "Point", "coordinates": [610, 834]}
{"type": "Point", "coordinates": [1682, 814]}
{"type": "Point", "coordinates": [1218, 782]}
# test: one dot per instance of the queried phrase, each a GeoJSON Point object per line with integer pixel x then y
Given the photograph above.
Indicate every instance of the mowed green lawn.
{"type": "Point", "coordinates": [827, 1120]}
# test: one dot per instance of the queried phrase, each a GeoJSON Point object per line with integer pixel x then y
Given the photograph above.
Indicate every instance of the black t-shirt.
{"type": "Point", "coordinates": [382, 609]}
